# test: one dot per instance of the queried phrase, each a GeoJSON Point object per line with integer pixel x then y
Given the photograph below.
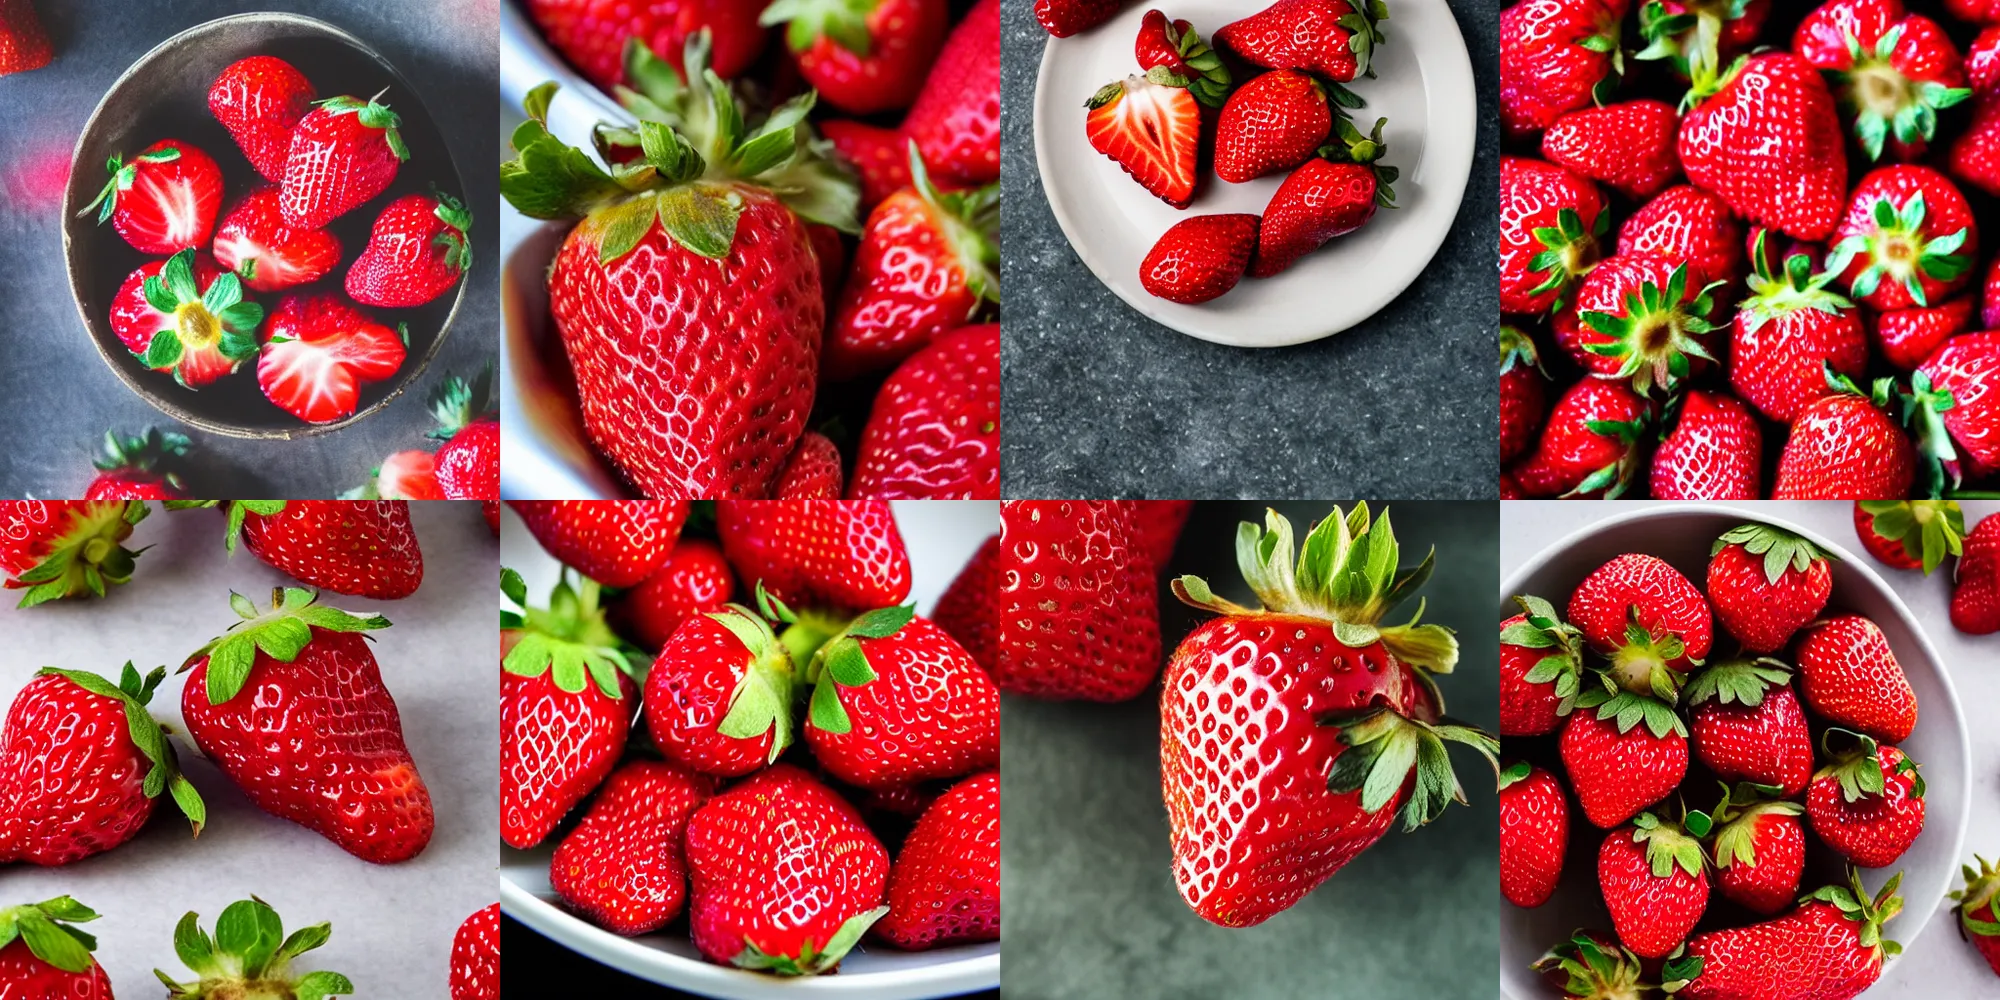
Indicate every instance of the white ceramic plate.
{"type": "Point", "coordinates": [1682, 535]}
{"type": "Point", "coordinates": [1424, 87]}
{"type": "Point", "coordinates": [940, 535]}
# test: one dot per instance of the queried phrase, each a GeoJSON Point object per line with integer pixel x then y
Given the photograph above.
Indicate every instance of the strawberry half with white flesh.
{"type": "Point", "coordinates": [1151, 125]}
{"type": "Point", "coordinates": [164, 201]}
{"type": "Point", "coordinates": [320, 351]}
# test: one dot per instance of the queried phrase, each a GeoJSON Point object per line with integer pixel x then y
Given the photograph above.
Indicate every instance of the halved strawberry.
{"type": "Point", "coordinates": [1151, 125]}
{"type": "Point", "coordinates": [318, 352]}
{"type": "Point", "coordinates": [1175, 45]}
{"type": "Point", "coordinates": [165, 200]}
{"type": "Point", "coordinates": [267, 254]}
{"type": "Point", "coordinates": [259, 100]}
{"type": "Point", "coordinates": [406, 475]}
{"type": "Point", "coordinates": [184, 315]}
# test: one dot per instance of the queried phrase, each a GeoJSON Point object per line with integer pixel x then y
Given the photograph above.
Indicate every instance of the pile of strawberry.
{"type": "Point", "coordinates": [1291, 119]}
{"type": "Point", "coordinates": [726, 335]}
{"type": "Point", "coordinates": [1740, 248]}
{"type": "Point", "coordinates": [191, 314]}
{"type": "Point", "coordinates": [1695, 751]}
{"type": "Point", "coordinates": [786, 748]}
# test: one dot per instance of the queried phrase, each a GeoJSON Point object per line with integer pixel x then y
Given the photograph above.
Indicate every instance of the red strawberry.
{"type": "Point", "coordinates": [1976, 920]}
{"type": "Point", "coordinates": [1200, 258]}
{"type": "Point", "coordinates": [1975, 592]}
{"type": "Point", "coordinates": [621, 867]}
{"type": "Point", "coordinates": [240, 960]}
{"type": "Point", "coordinates": [1541, 669]}
{"type": "Point", "coordinates": [1509, 489]}
{"type": "Point", "coordinates": [1655, 883]}
{"type": "Point", "coordinates": [64, 548]}
{"type": "Point", "coordinates": [468, 463]}
{"type": "Point", "coordinates": [83, 764]}
{"type": "Point", "coordinates": [968, 609]}
{"type": "Point", "coordinates": [786, 877]}
{"type": "Point", "coordinates": [344, 152]}
{"type": "Point", "coordinates": [1628, 146]}
{"type": "Point", "coordinates": [1714, 452]}
{"type": "Point", "coordinates": [1063, 18]}
{"type": "Point", "coordinates": [164, 201]}
{"type": "Point", "coordinates": [1867, 803]}
{"type": "Point", "coordinates": [1333, 38]}
{"type": "Point", "coordinates": [145, 467]}
{"type": "Point", "coordinates": [1766, 583]}
{"type": "Point", "coordinates": [1893, 73]}
{"type": "Point", "coordinates": [1078, 610]}
{"type": "Point", "coordinates": [1968, 368]}
{"type": "Point", "coordinates": [718, 698]}
{"type": "Point", "coordinates": [405, 475]}
{"type": "Point", "coordinates": [895, 700]}
{"type": "Point", "coordinates": [318, 353]}
{"type": "Point", "coordinates": [1908, 336]}
{"type": "Point", "coordinates": [693, 581]}
{"type": "Point", "coordinates": [618, 543]}
{"type": "Point", "coordinates": [956, 117]}
{"type": "Point", "coordinates": [1787, 334]}
{"type": "Point", "coordinates": [1592, 964]}
{"type": "Point", "coordinates": [1645, 616]}
{"type": "Point", "coordinates": [365, 548]}
{"type": "Point", "coordinates": [1975, 11]}
{"type": "Point", "coordinates": [1158, 524]}
{"type": "Point", "coordinates": [1272, 739]}
{"type": "Point", "coordinates": [415, 253]}
{"type": "Point", "coordinates": [1590, 443]}
{"type": "Point", "coordinates": [593, 34]}
{"type": "Point", "coordinates": [1152, 128]}
{"type": "Point", "coordinates": [1687, 225]}
{"type": "Point", "coordinates": [1523, 392]}
{"type": "Point", "coordinates": [945, 886]}
{"type": "Point", "coordinates": [1695, 36]}
{"type": "Point", "coordinates": [1831, 946]}
{"type": "Point", "coordinates": [1555, 56]}
{"type": "Point", "coordinates": [1333, 194]}
{"type": "Point", "coordinates": [813, 472]}
{"type": "Point", "coordinates": [1760, 851]}
{"type": "Point", "coordinates": [1551, 224]}
{"type": "Point", "coordinates": [817, 554]}
{"type": "Point", "coordinates": [934, 431]}
{"type": "Point", "coordinates": [1763, 136]}
{"type": "Point", "coordinates": [1982, 59]}
{"type": "Point", "coordinates": [183, 315]}
{"type": "Point", "coordinates": [880, 156]}
{"type": "Point", "coordinates": [1844, 447]}
{"type": "Point", "coordinates": [23, 46]}
{"type": "Point", "coordinates": [1175, 45]}
{"type": "Point", "coordinates": [1909, 238]}
{"type": "Point", "coordinates": [475, 957]}
{"type": "Point", "coordinates": [1637, 317]}
{"type": "Point", "coordinates": [1974, 157]}
{"type": "Point", "coordinates": [254, 241]}
{"type": "Point", "coordinates": [1910, 534]}
{"type": "Point", "coordinates": [42, 957]}
{"type": "Point", "coordinates": [1274, 122]}
{"type": "Point", "coordinates": [1534, 834]}
{"type": "Point", "coordinates": [290, 704]}
{"type": "Point", "coordinates": [260, 100]}
{"type": "Point", "coordinates": [1850, 676]}
{"type": "Point", "coordinates": [1745, 724]}
{"type": "Point", "coordinates": [862, 58]}
{"type": "Point", "coordinates": [1617, 770]}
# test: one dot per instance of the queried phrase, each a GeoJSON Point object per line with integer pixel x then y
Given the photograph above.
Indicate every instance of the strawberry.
{"type": "Point", "coordinates": [1333, 194]}
{"type": "Point", "coordinates": [1844, 447]}
{"type": "Point", "coordinates": [1908, 238]}
{"type": "Point", "coordinates": [1292, 735]}
{"type": "Point", "coordinates": [1534, 834]}
{"type": "Point", "coordinates": [968, 609]}
{"type": "Point", "coordinates": [1967, 368]}
{"type": "Point", "coordinates": [928, 262]}
{"type": "Point", "coordinates": [84, 763]}
{"type": "Point", "coordinates": [405, 475]}
{"type": "Point", "coordinates": [683, 420]}
{"type": "Point", "coordinates": [250, 955]}
{"type": "Point", "coordinates": [164, 201]}
{"type": "Point", "coordinates": [1697, 33]}
{"type": "Point", "coordinates": [1766, 583]}
{"type": "Point", "coordinates": [268, 255]}
{"type": "Point", "coordinates": [1982, 60]}
{"type": "Point", "coordinates": [1786, 335]}
{"type": "Point", "coordinates": [260, 100]}
{"type": "Point", "coordinates": [621, 867]}
{"type": "Point", "coordinates": [290, 705]}
{"type": "Point", "coordinates": [1523, 392]}
{"type": "Point", "coordinates": [812, 472]}
{"type": "Point", "coordinates": [1636, 317]}
{"type": "Point", "coordinates": [618, 543]}
{"type": "Point", "coordinates": [1592, 964]}
{"type": "Point", "coordinates": [880, 156]}
{"type": "Point", "coordinates": [415, 253]}
{"type": "Point", "coordinates": [1655, 881]}
{"type": "Point", "coordinates": [1158, 524]}
{"type": "Point", "coordinates": [1615, 769]}
{"type": "Point", "coordinates": [1551, 225]}
{"type": "Point", "coordinates": [1645, 616]}
{"type": "Point", "coordinates": [1175, 45]}
{"type": "Point", "coordinates": [945, 886]}
{"type": "Point", "coordinates": [1867, 803]}
{"type": "Point", "coordinates": [934, 431]}
{"type": "Point", "coordinates": [1509, 489]}
{"type": "Point", "coordinates": [142, 467]}
{"type": "Point", "coordinates": [1714, 451]}
{"type": "Point", "coordinates": [1976, 920]}
{"type": "Point", "coordinates": [1151, 126]}
{"type": "Point", "coordinates": [1975, 11]}
{"type": "Point", "coordinates": [1975, 592]}
{"type": "Point", "coordinates": [786, 877]}
{"type": "Point", "coordinates": [1063, 18]}
{"type": "Point", "coordinates": [183, 315]}
{"type": "Point", "coordinates": [694, 580]}
{"type": "Point", "coordinates": [1541, 669]}
{"type": "Point", "coordinates": [1908, 336]}
{"type": "Point", "coordinates": [1910, 534]}
{"type": "Point", "coordinates": [1333, 38]}
{"type": "Point", "coordinates": [865, 57]}
{"type": "Point", "coordinates": [64, 548]}
{"type": "Point", "coordinates": [896, 700]}
{"type": "Point", "coordinates": [1974, 157]}
{"type": "Point", "coordinates": [1830, 946]}
{"type": "Point", "coordinates": [475, 957]}
{"type": "Point", "coordinates": [1628, 146]}
{"type": "Point", "coordinates": [43, 957]}
{"type": "Point", "coordinates": [1556, 56]}
{"type": "Point", "coordinates": [1891, 72]}
{"type": "Point", "coordinates": [566, 705]}
{"type": "Point", "coordinates": [23, 46]}
{"type": "Point", "coordinates": [490, 509]}
{"type": "Point", "coordinates": [718, 698]}
{"type": "Point", "coordinates": [361, 548]}
{"type": "Point", "coordinates": [318, 353]}
{"type": "Point", "coordinates": [1745, 724]}
{"type": "Point", "coordinates": [1763, 136]}
{"type": "Point", "coordinates": [468, 463]}
{"type": "Point", "coordinates": [1200, 258]}
{"type": "Point", "coordinates": [594, 34]}
{"type": "Point", "coordinates": [817, 554]}
{"type": "Point", "coordinates": [1272, 123]}
{"type": "Point", "coordinates": [1850, 676]}
{"type": "Point", "coordinates": [1078, 608]}
{"type": "Point", "coordinates": [1589, 445]}
{"type": "Point", "coordinates": [956, 118]}
{"type": "Point", "coordinates": [344, 152]}
{"type": "Point", "coordinates": [1688, 225]}
{"type": "Point", "coordinates": [1760, 851]}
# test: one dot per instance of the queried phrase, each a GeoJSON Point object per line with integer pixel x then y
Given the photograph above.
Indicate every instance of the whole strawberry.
{"type": "Point", "coordinates": [1975, 591]}
{"type": "Point", "coordinates": [1867, 803]}
{"type": "Point", "coordinates": [1523, 392]}
{"type": "Point", "coordinates": [185, 316]}
{"type": "Point", "coordinates": [267, 254]}
{"type": "Point", "coordinates": [1908, 239]}
{"type": "Point", "coordinates": [249, 956]}
{"type": "Point", "coordinates": [1333, 38]}
{"type": "Point", "coordinates": [955, 120]}
{"type": "Point", "coordinates": [344, 152]}
{"type": "Point", "coordinates": [1891, 72]}
{"type": "Point", "coordinates": [1746, 725]}
{"type": "Point", "coordinates": [618, 543]}
{"type": "Point", "coordinates": [862, 58]}
{"type": "Point", "coordinates": [719, 696]}
{"type": "Point", "coordinates": [66, 548]}
{"type": "Point", "coordinates": [1844, 446]}
{"type": "Point", "coordinates": [1644, 615]}
{"type": "Point", "coordinates": [1976, 920]}
{"type": "Point", "coordinates": [1831, 946]}
{"type": "Point", "coordinates": [24, 45]}
{"type": "Point", "coordinates": [969, 608]}
{"type": "Point", "coordinates": [1762, 134]}
{"type": "Point", "coordinates": [1555, 56]}
{"type": "Point", "coordinates": [1200, 258]}
{"type": "Point", "coordinates": [1331, 195]}
{"type": "Point", "coordinates": [1175, 45]}
{"type": "Point", "coordinates": [468, 463]}
{"type": "Point", "coordinates": [1654, 878]}
{"type": "Point", "coordinates": [42, 956]}
{"type": "Point", "coordinates": [1760, 851]}
{"type": "Point", "coordinates": [694, 580]}
{"type": "Point", "coordinates": [1766, 583]}
{"type": "Point", "coordinates": [1910, 534]}
{"type": "Point", "coordinates": [817, 554]}
{"type": "Point", "coordinates": [1273, 122]}
{"type": "Point", "coordinates": [945, 886]}
{"type": "Point", "coordinates": [1714, 452]}
{"type": "Point", "coordinates": [934, 430]}
{"type": "Point", "coordinates": [1541, 669]}
{"type": "Point", "coordinates": [165, 200]}
{"type": "Point", "coordinates": [139, 467]}
{"type": "Point", "coordinates": [1850, 676]}
{"type": "Point", "coordinates": [621, 867]}
{"type": "Point", "coordinates": [1638, 317]}
{"type": "Point", "coordinates": [260, 99]}
{"type": "Point", "coordinates": [475, 957]}
{"type": "Point", "coordinates": [1589, 447]}
{"type": "Point", "coordinates": [1786, 335]}
{"type": "Point", "coordinates": [365, 548]}
{"type": "Point", "coordinates": [416, 252]}
{"type": "Point", "coordinates": [1534, 833]}
{"type": "Point", "coordinates": [1079, 612]}
{"type": "Point", "coordinates": [896, 700]}
{"type": "Point", "coordinates": [1908, 336]}
{"type": "Point", "coordinates": [1628, 146]}
{"type": "Point", "coordinates": [594, 34]}
{"type": "Point", "coordinates": [1552, 224]}
{"type": "Point", "coordinates": [1618, 769]}
{"type": "Point", "coordinates": [813, 472]}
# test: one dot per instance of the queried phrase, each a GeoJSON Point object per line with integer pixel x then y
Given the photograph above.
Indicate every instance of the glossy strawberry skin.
{"type": "Point", "coordinates": [136, 321]}
{"type": "Point", "coordinates": [1688, 225]}
{"type": "Point", "coordinates": [1760, 614]}
{"type": "Point", "coordinates": [968, 610]}
{"type": "Point", "coordinates": [1874, 830]}
{"type": "Point", "coordinates": [365, 548]}
{"type": "Point", "coordinates": [1273, 122]}
{"type": "Point", "coordinates": [172, 204]}
{"type": "Point", "coordinates": [475, 957]}
{"type": "Point", "coordinates": [906, 284]}
{"type": "Point", "coordinates": [337, 162]}
{"type": "Point", "coordinates": [413, 256]}
{"type": "Point", "coordinates": [319, 351]}
{"type": "Point", "coordinates": [260, 100]}
{"type": "Point", "coordinates": [1666, 603]}
{"type": "Point", "coordinates": [1923, 59]}
{"type": "Point", "coordinates": [1079, 612]}
{"type": "Point", "coordinates": [1152, 131]}
{"type": "Point", "coordinates": [934, 430]}
{"type": "Point", "coordinates": [468, 465]}
{"type": "Point", "coordinates": [1570, 452]}
{"type": "Point", "coordinates": [621, 868]}
{"type": "Point", "coordinates": [879, 155]}
{"type": "Point", "coordinates": [1713, 453]}
{"type": "Point", "coordinates": [1652, 915]}
{"type": "Point", "coordinates": [1533, 196]}
{"type": "Point", "coordinates": [1767, 743]}
{"type": "Point", "coordinates": [1612, 288]}
{"type": "Point", "coordinates": [904, 37]}
{"type": "Point", "coordinates": [1628, 146]}
{"type": "Point", "coordinates": [1617, 775]}
{"type": "Point", "coordinates": [812, 473]}
{"type": "Point", "coordinates": [1523, 394]}
{"type": "Point", "coordinates": [1159, 524]}
{"type": "Point", "coordinates": [1297, 34]}
{"type": "Point", "coordinates": [1317, 202]}
{"type": "Point", "coordinates": [1552, 57]}
{"type": "Point", "coordinates": [1770, 145]}
{"type": "Point", "coordinates": [254, 241]}
{"type": "Point", "coordinates": [1772, 883]}
{"type": "Point", "coordinates": [1843, 448]}
{"type": "Point", "coordinates": [693, 580]}
{"type": "Point", "coordinates": [1534, 835]}
{"type": "Point", "coordinates": [1945, 213]}
{"type": "Point", "coordinates": [91, 795]}
{"type": "Point", "coordinates": [945, 886]}
{"type": "Point", "coordinates": [838, 554]}
{"type": "Point", "coordinates": [24, 46]}
{"type": "Point", "coordinates": [1890, 551]}
{"type": "Point", "coordinates": [1975, 595]}
{"type": "Point", "coordinates": [1812, 951]}
{"type": "Point", "coordinates": [1849, 675]}
{"type": "Point", "coordinates": [555, 748]}
{"type": "Point", "coordinates": [592, 33]}
{"type": "Point", "coordinates": [28, 977]}
{"type": "Point", "coordinates": [1063, 18]}
{"type": "Point", "coordinates": [1777, 362]}
{"type": "Point", "coordinates": [930, 712]}
{"type": "Point", "coordinates": [956, 117]}
{"type": "Point", "coordinates": [618, 543]}
{"type": "Point", "coordinates": [690, 689]}
{"type": "Point", "coordinates": [1908, 336]}
{"type": "Point", "coordinates": [1200, 259]}
{"type": "Point", "coordinates": [1968, 367]}
{"type": "Point", "coordinates": [1526, 708]}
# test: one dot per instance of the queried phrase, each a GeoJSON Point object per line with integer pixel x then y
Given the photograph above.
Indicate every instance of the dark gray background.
{"type": "Point", "coordinates": [1088, 903]}
{"type": "Point", "coordinates": [59, 396]}
{"type": "Point", "coordinates": [1100, 401]}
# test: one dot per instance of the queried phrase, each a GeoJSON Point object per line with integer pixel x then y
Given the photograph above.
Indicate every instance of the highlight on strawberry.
{"type": "Point", "coordinates": [365, 548]}
{"type": "Point", "coordinates": [186, 316]}
{"type": "Point", "coordinates": [44, 954]}
{"type": "Point", "coordinates": [164, 201]}
{"type": "Point", "coordinates": [250, 955]}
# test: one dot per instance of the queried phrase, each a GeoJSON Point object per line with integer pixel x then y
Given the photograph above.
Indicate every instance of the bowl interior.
{"type": "Point", "coordinates": [1682, 537]}
{"type": "Point", "coordinates": [165, 95]}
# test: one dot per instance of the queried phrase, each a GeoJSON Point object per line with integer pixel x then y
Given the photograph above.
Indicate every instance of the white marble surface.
{"type": "Point", "coordinates": [1937, 964]}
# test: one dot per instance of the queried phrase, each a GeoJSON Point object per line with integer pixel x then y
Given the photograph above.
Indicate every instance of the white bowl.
{"type": "Point", "coordinates": [940, 535]}
{"type": "Point", "coordinates": [1682, 534]}
{"type": "Point", "coordinates": [1423, 85]}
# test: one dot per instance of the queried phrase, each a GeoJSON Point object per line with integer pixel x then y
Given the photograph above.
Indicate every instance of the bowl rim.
{"type": "Point", "coordinates": [162, 401]}
{"type": "Point", "coordinates": [1512, 582]}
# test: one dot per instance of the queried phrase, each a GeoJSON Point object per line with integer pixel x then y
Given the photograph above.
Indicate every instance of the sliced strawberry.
{"type": "Point", "coordinates": [184, 315]}
{"type": "Point", "coordinates": [1175, 45]}
{"type": "Point", "coordinates": [165, 200]}
{"type": "Point", "coordinates": [406, 475]}
{"type": "Point", "coordinates": [318, 353]}
{"type": "Point", "coordinates": [260, 100]}
{"type": "Point", "coordinates": [267, 254]}
{"type": "Point", "coordinates": [415, 253]}
{"type": "Point", "coordinates": [1152, 127]}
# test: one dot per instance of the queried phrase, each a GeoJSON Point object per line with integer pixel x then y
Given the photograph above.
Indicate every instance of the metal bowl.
{"type": "Point", "coordinates": [165, 95]}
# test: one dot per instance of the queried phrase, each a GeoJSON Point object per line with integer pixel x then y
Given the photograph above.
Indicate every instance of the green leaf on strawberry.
{"type": "Point", "coordinates": [281, 634]}
{"type": "Point", "coordinates": [133, 692]}
{"type": "Point", "coordinates": [249, 956]}
{"type": "Point", "coordinates": [569, 637]}
{"type": "Point", "coordinates": [45, 928]}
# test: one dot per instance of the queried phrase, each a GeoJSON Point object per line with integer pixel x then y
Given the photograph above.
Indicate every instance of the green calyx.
{"type": "Point", "coordinates": [1884, 101]}
{"type": "Point", "coordinates": [281, 633]}
{"type": "Point", "coordinates": [457, 404]}
{"type": "Point", "coordinates": [373, 115]}
{"type": "Point", "coordinates": [1667, 846]}
{"type": "Point", "coordinates": [134, 692]}
{"type": "Point", "coordinates": [1781, 549]}
{"type": "Point", "coordinates": [1736, 819]}
{"type": "Point", "coordinates": [1897, 250]}
{"type": "Point", "coordinates": [249, 958]}
{"type": "Point", "coordinates": [1568, 250]}
{"type": "Point", "coordinates": [1212, 81]}
{"type": "Point", "coordinates": [1594, 968]}
{"type": "Point", "coordinates": [811, 960]}
{"type": "Point", "coordinates": [1739, 681]}
{"type": "Point", "coordinates": [122, 176]}
{"type": "Point", "coordinates": [1638, 686]}
{"type": "Point", "coordinates": [457, 219]}
{"type": "Point", "coordinates": [1929, 530]}
{"type": "Point", "coordinates": [1795, 288]}
{"type": "Point", "coordinates": [1517, 350]}
{"type": "Point", "coordinates": [218, 319]}
{"type": "Point", "coordinates": [151, 450]}
{"type": "Point", "coordinates": [1981, 886]}
{"type": "Point", "coordinates": [970, 221]}
{"type": "Point", "coordinates": [569, 637]}
{"type": "Point", "coordinates": [1689, 39]}
{"type": "Point", "coordinates": [1382, 748]}
{"type": "Point", "coordinates": [840, 664]}
{"type": "Point", "coordinates": [238, 510]}
{"type": "Point", "coordinates": [1855, 761]}
{"type": "Point", "coordinates": [1615, 479]}
{"type": "Point", "coordinates": [1350, 146]}
{"type": "Point", "coordinates": [1708, 80]}
{"type": "Point", "coordinates": [1562, 663]}
{"type": "Point", "coordinates": [1364, 32]}
{"type": "Point", "coordinates": [87, 555]}
{"type": "Point", "coordinates": [1923, 408]}
{"type": "Point", "coordinates": [761, 704]}
{"type": "Point", "coordinates": [1854, 903]}
{"type": "Point", "coordinates": [844, 22]}
{"type": "Point", "coordinates": [1658, 332]}
{"type": "Point", "coordinates": [45, 928]}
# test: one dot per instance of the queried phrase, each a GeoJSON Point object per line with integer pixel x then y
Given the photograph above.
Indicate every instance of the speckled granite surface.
{"type": "Point", "coordinates": [1099, 401]}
